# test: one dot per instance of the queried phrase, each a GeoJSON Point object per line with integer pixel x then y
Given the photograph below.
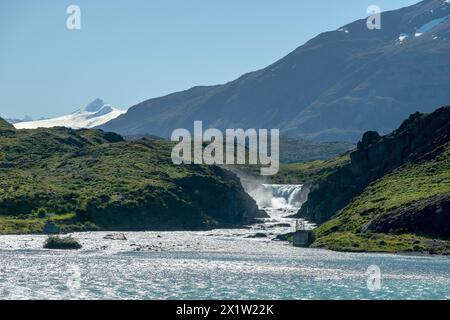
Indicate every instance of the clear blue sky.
{"type": "Point", "coordinates": [130, 50]}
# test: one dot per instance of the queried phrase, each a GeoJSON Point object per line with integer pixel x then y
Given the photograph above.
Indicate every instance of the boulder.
{"type": "Point", "coordinates": [257, 235]}
{"type": "Point", "coordinates": [115, 236]}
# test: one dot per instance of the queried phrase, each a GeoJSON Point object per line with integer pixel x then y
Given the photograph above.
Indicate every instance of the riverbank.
{"type": "Point", "coordinates": [218, 264]}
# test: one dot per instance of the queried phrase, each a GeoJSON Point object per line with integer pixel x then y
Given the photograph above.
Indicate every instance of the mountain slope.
{"type": "Point", "coordinates": [335, 87]}
{"type": "Point", "coordinates": [88, 179]}
{"type": "Point", "coordinates": [407, 210]}
{"type": "Point", "coordinates": [5, 125]}
{"type": "Point", "coordinates": [296, 150]}
{"type": "Point", "coordinates": [94, 114]}
{"type": "Point", "coordinates": [418, 137]}
{"type": "Point", "coordinates": [14, 120]}
{"type": "Point", "coordinates": [394, 195]}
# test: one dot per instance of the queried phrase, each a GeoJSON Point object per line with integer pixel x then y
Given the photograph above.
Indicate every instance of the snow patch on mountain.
{"type": "Point", "coordinates": [430, 25]}
{"type": "Point", "coordinates": [344, 30]}
{"type": "Point", "coordinates": [403, 36]}
{"type": "Point", "coordinates": [94, 114]}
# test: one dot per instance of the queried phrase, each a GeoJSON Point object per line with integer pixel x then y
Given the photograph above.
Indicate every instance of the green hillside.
{"type": "Point", "coordinates": [88, 180]}
{"type": "Point", "coordinates": [392, 196]}
{"type": "Point", "coordinates": [392, 199]}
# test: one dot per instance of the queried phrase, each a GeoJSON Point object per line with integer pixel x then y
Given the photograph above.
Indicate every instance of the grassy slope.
{"type": "Point", "coordinates": [295, 173]}
{"type": "Point", "coordinates": [309, 172]}
{"type": "Point", "coordinates": [404, 186]}
{"type": "Point", "coordinates": [89, 179]}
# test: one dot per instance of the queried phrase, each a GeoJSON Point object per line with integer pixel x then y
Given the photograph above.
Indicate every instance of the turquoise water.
{"type": "Point", "coordinates": [214, 265]}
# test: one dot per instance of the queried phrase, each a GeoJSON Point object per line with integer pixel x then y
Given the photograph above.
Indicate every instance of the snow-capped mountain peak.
{"type": "Point", "coordinates": [92, 115]}
{"type": "Point", "coordinates": [94, 106]}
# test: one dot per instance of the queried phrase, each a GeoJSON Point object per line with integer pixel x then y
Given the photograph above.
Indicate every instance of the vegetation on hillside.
{"type": "Point", "coordinates": [89, 180]}
{"type": "Point", "coordinates": [420, 138]}
{"type": "Point", "coordinates": [392, 196]}
{"type": "Point", "coordinates": [348, 230]}
{"type": "Point", "coordinates": [309, 172]}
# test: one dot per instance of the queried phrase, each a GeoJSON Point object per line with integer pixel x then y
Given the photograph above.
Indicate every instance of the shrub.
{"type": "Point", "coordinates": [67, 243]}
{"type": "Point", "coordinates": [41, 213]}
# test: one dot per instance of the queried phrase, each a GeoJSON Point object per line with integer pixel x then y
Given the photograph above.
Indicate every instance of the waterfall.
{"type": "Point", "coordinates": [280, 202]}
{"type": "Point", "coordinates": [284, 196]}
{"type": "Point", "coordinates": [277, 196]}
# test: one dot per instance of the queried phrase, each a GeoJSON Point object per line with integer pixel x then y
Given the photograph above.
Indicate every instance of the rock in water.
{"type": "Point", "coordinates": [258, 235]}
{"type": "Point", "coordinates": [115, 236]}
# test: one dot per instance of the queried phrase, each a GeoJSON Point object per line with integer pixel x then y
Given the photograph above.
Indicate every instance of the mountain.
{"type": "Point", "coordinates": [5, 125]}
{"type": "Point", "coordinates": [94, 114]}
{"type": "Point", "coordinates": [293, 150]}
{"type": "Point", "coordinates": [60, 178]}
{"type": "Point", "coordinates": [335, 87]}
{"type": "Point", "coordinates": [297, 150]}
{"type": "Point", "coordinates": [393, 195]}
{"type": "Point", "coordinates": [15, 120]}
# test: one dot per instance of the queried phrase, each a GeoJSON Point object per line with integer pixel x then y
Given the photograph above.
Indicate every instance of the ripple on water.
{"type": "Point", "coordinates": [210, 268]}
{"type": "Point", "coordinates": [219, 264]}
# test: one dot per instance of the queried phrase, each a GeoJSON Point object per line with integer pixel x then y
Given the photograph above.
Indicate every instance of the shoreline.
{"type": "Point", "coordinates": [208, 236]}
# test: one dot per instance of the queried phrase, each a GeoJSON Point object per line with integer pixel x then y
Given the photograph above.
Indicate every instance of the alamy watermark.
{"type": "Point", "coordinates": [230, 148]}
{"type": "Point", "coordinates": [73, 21]}
{"type": "Point", "coordinates": [373, 281]}
{"type": "Point", "coordinates": [374, 20]}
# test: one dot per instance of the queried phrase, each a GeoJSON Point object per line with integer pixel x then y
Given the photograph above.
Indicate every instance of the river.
{"type": "Point", "coordinates": [220, 264]}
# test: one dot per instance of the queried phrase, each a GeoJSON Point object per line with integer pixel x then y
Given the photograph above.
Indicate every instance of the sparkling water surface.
{"type": "Point", "coordinates": [219, 264]}
{"type": "Point", "coordinates": [222, 264]}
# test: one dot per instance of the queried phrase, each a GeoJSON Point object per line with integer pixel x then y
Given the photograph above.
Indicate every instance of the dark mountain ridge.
{"type": "Point", "coordinates": [333, 88]}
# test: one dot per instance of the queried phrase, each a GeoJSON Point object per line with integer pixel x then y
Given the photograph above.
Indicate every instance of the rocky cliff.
{"type": "Point", "coordinates": [394, 194]}
{"type": "Point", "coordinates": [421, 137]}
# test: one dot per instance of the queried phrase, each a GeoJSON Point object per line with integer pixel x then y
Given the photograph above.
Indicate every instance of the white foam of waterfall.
{"type": "Point", "coordinates": [284, 196]}
{"type": "Point", "coordinates": [281, 202]}
{"type": "Point", "coordinates": [277, 196]}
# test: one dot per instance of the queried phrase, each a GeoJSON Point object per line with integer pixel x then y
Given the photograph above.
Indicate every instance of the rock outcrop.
{"type": "Point", "coordinates": [420, 138]}
{"type": "Point", "coordinates": [429, 217]}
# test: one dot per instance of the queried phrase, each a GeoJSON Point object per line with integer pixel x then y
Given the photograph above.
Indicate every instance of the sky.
{"type": "Point", "coordinates": [128, 51]}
